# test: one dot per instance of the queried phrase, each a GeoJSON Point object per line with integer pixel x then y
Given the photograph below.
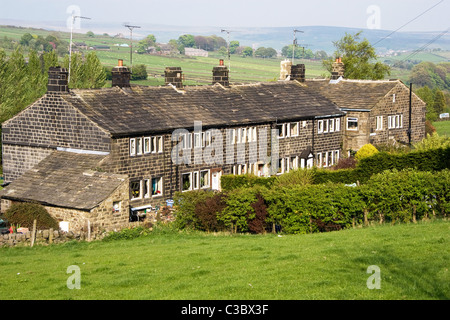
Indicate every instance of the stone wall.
{"type": "Point", "coordinates": [389, 106]}
{"type": "Point", "coordinates": [47, 237]}
{"type": "Point", "coordinates": [17, 159]}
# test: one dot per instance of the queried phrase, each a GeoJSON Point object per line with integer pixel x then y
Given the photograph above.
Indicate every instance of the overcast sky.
{"type": "Point", "coordinates": [380, 14]}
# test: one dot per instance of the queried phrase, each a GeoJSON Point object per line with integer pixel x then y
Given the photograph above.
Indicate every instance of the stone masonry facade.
{"type": "Point", "coordinates": [41, 128]}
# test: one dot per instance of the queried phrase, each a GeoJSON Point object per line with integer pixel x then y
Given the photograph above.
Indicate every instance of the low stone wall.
{"type": "Point", "coordinates": [46, 237]}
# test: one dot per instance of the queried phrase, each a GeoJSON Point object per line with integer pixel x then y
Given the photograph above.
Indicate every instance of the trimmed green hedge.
{"type": "Point", "coordinates": [391, 196]}
{"type": "Point", "coordinates": [430, 160]}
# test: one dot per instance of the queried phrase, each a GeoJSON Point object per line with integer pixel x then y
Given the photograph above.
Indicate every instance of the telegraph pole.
{"type": "Point", "coordinates": [131, 44]}
{"type": "Point", "coordinates": [228, 49]}
{"type": "Point", "coordinates": [294, 44]}
{"type": "Point", "coordinates": [70, 44]}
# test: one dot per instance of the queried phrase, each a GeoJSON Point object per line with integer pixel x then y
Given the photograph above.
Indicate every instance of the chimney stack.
{"type": "Point", "coordinates": [121, 76]}
{"type": "Point", "coordinates": [338, 69]}
{"type": "Point", "coordinates": [174, 76]}
{"type": "Point", "coordinates": [57, 80]}
{"type": "Point", "coordinates": [221, 74]}
{"type": "Point", "coordinates": [298, 72]}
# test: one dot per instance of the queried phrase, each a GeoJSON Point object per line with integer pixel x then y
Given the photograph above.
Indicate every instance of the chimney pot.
{"type": "Point", "coordinates": [221, 62]}
{"type": "Point", "coordinates": [120, 63]}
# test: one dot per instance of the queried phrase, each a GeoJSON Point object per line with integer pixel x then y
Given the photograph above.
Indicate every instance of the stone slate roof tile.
{"type": "Point", "coordinates": [140, 109]}
{"type": "Point", "coordinates": [70, 176]}
{"type": "Point", "coordinates": [353, 94]}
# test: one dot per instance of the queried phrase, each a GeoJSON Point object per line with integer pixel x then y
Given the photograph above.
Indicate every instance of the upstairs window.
{"type": "Point", "coordinates": [320, 126]}
{"type": "Point", "coordinates": [379, 123]}
{"type": "Point", "coordinates": [132, 147]}
{"type": "Point", "coordinates": [293, 129]}
{"type": "Point", "coordinates": [352, 124]}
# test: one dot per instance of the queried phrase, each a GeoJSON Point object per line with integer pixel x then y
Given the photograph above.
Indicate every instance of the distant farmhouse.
{"type": "Point", "coordinates": [193, 52]}
{"type": "Point", "coordinates": [110, 155]}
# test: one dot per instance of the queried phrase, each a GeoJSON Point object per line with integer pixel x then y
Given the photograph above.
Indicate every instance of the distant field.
{"type": "Point", "coordinates": [442, 128]}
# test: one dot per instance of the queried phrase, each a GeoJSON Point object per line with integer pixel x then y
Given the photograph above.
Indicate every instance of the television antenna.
{"type": "Point", "coordinates": [70, 44]}
{"type": "Point", "coordinates": [228, 47]}
{"type": "Point", "coordinates": [294, 44]}
{"type": "Point", "coordinates": [131, 43]}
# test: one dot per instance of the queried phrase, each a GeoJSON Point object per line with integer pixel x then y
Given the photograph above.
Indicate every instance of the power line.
{"type": "Point", "coordinates": [390, 34]}
{"type": "Point", "coordinates": [425, 46]}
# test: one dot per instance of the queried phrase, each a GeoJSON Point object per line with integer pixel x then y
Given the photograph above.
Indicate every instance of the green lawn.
{"type": "Point", "coordinates": [413, 261]}
{"type": "Point", "coordinates": [442, 128]}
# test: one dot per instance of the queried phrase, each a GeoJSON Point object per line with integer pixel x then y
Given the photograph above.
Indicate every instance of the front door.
{"type": "Point", "coordinates": [215, 180]}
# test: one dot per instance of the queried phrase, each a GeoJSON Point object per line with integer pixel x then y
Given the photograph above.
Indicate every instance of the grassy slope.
{"type": "Point", "coordinates": [197, 71]}
{"type": "Point", "coordinates": [413, 260]}
{"type": "Point", "coordinates": [442, 128]}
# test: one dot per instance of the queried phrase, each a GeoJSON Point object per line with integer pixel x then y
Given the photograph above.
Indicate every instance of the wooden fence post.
{"type": "Point", "coordinates": [33, 233]}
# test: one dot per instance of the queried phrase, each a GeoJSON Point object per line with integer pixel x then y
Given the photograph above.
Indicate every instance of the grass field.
{"type": "Point", "coordinates": [413, 261]}
{"type": "Point", "coordinates": [442, 128]}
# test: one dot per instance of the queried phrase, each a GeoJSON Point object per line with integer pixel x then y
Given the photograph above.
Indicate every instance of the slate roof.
{"type": "Point", "coordinates": [353, 94]}
{"type": "Point", "coordinates": [140, 109]}
{"type": "Point", "coordinates": [65, 179]}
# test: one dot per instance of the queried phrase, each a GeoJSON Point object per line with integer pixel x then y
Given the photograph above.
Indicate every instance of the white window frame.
{"type": "Point", "coordinates": [320, 126]}
{"type": "Point", "coordinates": [325, 126]}
{"type": "Point", "coordinates": [198, 140]}
{"type": "Point", "coordinates": [146, 184]}
{"type": "Point", "coordinates": [132, 147]}
{"type": "Point", "coordinates": [296, 132]}
{"type": "Point", "coordinates": [353, 120]}
{"type": "Point", "coordinates": [160, 144]}
{"type": "Point", "coordinates": [282, 133]}
{"type": "Point", "coordinates": [195, 180]}
{"type": "Point", "coordinates": [331, 125]}
{"type": "Point", "coordinates": [208, 175]}
{"type": "Point", "coordinates": [140, 190]}
{"type": "Point", "coordinates": [319, 159]}
{"type": "Point", "coordinates": [148, 143]}
{"type": "Point", "coordinates": [337, 126]}
{"type": "Point", "coordinates": [160, 185]}
{"type": "Point", "coordinates": [190, 181]}
{"type": "Point", "coordinates": [379, 123]}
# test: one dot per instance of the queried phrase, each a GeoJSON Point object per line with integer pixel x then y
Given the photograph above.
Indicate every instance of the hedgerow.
{"type": "Point", "coordinates": [391, 196]}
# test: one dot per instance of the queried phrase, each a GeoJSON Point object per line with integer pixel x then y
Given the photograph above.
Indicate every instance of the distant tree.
{"type": "Point", "coordinates": [25, 39]}
{"type": "Point", "coordinates": [265, 52]}
{"type": "Point", "coordinates": [85, 73]}
{"type": "Point", "coordinates": [431, 75]}
{"type": "Point", "coordinates": [247, 52]}
{"type": "Point", "coordinates": [358, 56]}
{"type": "Point", "coordinates": [187, 40]}
{"type": "Point", "coordinates": [321, 55]}
{"type": "Point", "coordinates": [90, 34]}
{"type": "Point", "coordinates": [94, 75]}
{"type": "Point", "coordinates": [139, 72]}
{"type": "Point", "coordinates": [439, 102]}
{"type": "Point", "coordinates": [233, 46]}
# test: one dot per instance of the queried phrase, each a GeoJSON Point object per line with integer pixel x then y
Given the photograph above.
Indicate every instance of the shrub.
{"type": "Point", "coordinates": [231, 182]}
{"type": "Point", "coordinates": [185, 204]}
{"type": "Point", "coordinates": [127, 234]}
{"type": "Point", "coordinates": [207, 211]}
{"type": "Point", "coordinates": [24, 214]}
{"type": "Point", "coordinates": [366, 150]}
{"type": "Point", "coordinates": [295, 177]}
{"type": "Point", "coordinates": [432, 141]}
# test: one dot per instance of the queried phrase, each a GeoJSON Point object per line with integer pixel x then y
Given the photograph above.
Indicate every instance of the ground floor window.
{"type": "Point", "coordinates": [157, 187]}
{"type": "Point", "coordinates": [135, 189]}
